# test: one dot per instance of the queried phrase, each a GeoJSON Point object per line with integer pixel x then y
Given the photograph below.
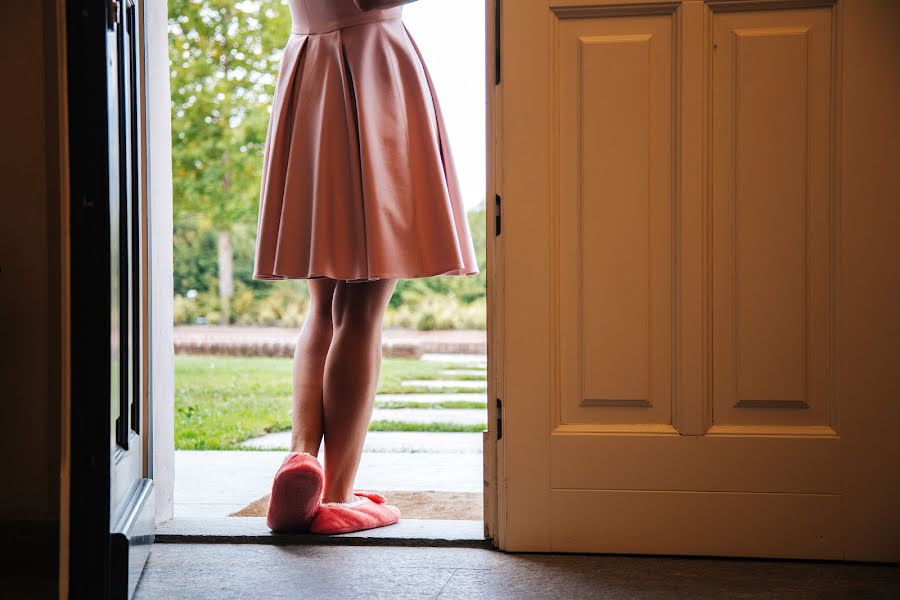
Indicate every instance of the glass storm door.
{"type": "Point", "coordinates": [112, 499]}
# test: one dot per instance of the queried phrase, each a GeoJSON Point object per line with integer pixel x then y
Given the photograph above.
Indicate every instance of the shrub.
{"type": "Point", "coordinates": [285, 306]}
{"type": "Point", "coordinates": [437, 312]}
{"type": "Point", "coordinates": [201, 309]}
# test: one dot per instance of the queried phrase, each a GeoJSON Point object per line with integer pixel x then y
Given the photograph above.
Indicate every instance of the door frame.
{"type": "Point", "coordinates": [494, 461]}
{"type": "Point", "coordinates": [157, 157]}
{"type": "Point", "coordinates": [161, 365]}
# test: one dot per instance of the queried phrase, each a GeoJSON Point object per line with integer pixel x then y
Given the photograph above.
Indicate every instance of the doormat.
{"type": "Point", "coordinates": [412, 505]}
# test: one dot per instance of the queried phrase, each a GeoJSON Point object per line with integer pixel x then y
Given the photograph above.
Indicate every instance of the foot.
{"type": "Point", "coordinates": [296, 493]}
{"type": "Point", "coordinates": [367, 511]}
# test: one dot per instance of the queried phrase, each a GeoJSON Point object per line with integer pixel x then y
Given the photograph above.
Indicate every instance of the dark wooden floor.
{"type": "Point", "coordinates": [226, 571]}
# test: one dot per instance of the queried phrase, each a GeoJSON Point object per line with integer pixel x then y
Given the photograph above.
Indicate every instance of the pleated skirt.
{"type": "Point", "coordinates": [358, 180]}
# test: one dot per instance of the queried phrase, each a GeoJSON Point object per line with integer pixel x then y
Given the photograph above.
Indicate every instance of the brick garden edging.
{"type": "Point", "coordinates": [280, 342]}
{"type": "Point", "coordinates": [278, 348]}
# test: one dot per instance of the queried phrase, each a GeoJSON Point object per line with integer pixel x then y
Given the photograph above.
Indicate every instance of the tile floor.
{"type": "Point", "coordinates": [228, 571]}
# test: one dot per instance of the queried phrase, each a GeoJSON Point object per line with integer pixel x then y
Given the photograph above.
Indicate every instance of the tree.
{"type": "Point", "coordinates": [224, 60]}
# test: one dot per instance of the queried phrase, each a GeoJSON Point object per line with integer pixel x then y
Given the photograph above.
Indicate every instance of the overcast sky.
{"type": "Point", "coordinates": [450, 34]}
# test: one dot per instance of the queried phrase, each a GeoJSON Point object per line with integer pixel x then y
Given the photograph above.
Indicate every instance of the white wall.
{"type": "Point", "coordinates": [30, 322]}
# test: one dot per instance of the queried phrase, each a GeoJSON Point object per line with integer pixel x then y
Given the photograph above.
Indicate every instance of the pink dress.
{"type": "Point", "coordinates": [358, 180]}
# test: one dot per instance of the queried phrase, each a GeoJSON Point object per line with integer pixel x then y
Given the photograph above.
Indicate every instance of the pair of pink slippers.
{"type": "Point", "coordinates": [296, 502]}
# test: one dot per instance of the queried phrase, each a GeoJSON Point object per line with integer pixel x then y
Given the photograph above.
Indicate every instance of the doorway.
{"type": "Point", "coordinates": [431, 413]}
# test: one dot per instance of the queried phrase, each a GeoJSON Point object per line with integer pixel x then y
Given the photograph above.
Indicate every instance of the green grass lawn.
{"type": "Point", "coordinates": [221, 401]}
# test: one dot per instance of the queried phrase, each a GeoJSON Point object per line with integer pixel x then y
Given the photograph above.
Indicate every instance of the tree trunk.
{"type": "Point", "coordinates": [226, 255]}
{"type": "Point", "coordinates": [226, 285]}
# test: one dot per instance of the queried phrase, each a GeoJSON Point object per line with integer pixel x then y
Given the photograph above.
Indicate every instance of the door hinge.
{"type": "Point", "coordinates": [499, 419]}
{"type": "Point", "coordinates": [496, 214]}
{"type": "Point", "coordinates": [497, 41]}
{"type": "Point", "coordinates": [112, 14]}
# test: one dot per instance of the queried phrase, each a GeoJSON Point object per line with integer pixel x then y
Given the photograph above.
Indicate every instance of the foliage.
{"type": "Point", "coordinates": [433, 311]}
{"type": "Point", "coordinates": [285, 306]}
{"type": "Point", "coordinates": [200, 309]}
{"type": "Point", "coordinates": [466, 289]}
{"type": "Point", "coordinates": [224, 57]}
{"type": "Point", "coordinates": [194, 249]}
{"type": "Point", "coordinates": [195, 258]}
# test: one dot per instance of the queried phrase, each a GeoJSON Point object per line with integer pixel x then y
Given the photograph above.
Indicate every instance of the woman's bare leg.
{"type": "Point", "coordinates": [309, 366]}
{"type": "Point", "coordinates": [351, 378]}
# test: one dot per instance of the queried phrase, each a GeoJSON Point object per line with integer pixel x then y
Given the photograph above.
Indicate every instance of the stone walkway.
{"type": "Point", "coordinates": [219, 483]}
{"type": "Point", "coordinates": [445, 442]}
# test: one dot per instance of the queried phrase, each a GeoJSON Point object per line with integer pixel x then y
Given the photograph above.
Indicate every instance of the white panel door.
{"type": "Point", "coordinates": [676, 206]}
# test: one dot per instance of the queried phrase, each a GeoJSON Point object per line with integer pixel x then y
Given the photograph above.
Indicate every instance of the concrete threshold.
{"type": "Point", "coordinates": [252, 530]}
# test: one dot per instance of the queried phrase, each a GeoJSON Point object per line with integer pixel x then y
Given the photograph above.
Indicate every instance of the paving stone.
{"type": "Point", "coordinates": [458, 416]}
{"type": "Point", "coordinates": [475, 359]}
{"type": "Point", "coordinates": [445, 383]}
{"type": "Point", "coordinates": [433, 398]}
{"type": "Point", "coordinates": [393, 441]}
{"type": "Point", "coordinates": [460, 372]}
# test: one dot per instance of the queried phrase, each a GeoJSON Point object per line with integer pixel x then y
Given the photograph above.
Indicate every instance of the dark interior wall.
{"type": "Point", "coordinates": [30, 324]}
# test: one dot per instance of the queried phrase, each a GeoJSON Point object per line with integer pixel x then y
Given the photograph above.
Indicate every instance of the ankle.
{"type": "Point", "coordinates": [340, 499]}
{"type": "Point", "coordinates": [303, 450]}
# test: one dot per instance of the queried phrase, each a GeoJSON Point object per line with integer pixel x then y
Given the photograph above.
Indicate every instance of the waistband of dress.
{"type": "Point", "coordinates": [328, 25]}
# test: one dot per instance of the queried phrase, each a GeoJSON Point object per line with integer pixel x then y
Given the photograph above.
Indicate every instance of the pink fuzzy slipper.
{"type": "Point", "coordinates": [296, 493]}
{"type": "Point", "coordinates": [368, 511]}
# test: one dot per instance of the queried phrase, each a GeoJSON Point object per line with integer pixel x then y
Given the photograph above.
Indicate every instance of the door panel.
{"type": "Point", "coordinates": [643, 460]}
{"type": "Point", "coordinates": [615, 210]}
{"type": "Point", "coordinates": [672, 260]}
{"type": "Point", "coordinates": [703, 524]}
{"type": "Point", "coordinates": [772, 207]}
{"type": "Point", "coordinates": [132, 497]}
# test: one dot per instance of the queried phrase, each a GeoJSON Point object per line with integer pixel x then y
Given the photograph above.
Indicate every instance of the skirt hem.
{"type": "Point", "coordinates": [454, 271]}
